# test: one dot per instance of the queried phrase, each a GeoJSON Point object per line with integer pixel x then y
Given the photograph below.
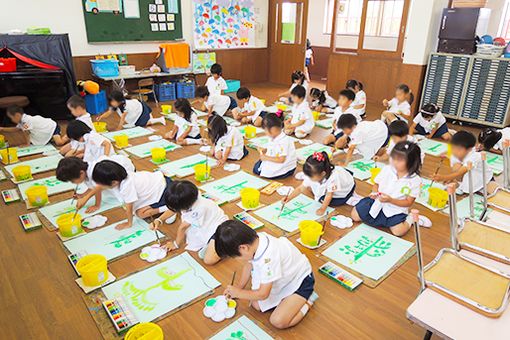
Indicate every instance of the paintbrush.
{"type": "Point", "coordinates": [436, 172]}
{"type": "Point", "coordinates": [233, 278]}
{"type": "Point", "coordinates": [206, 164]}
{"type": "Point", "coordinates": [74, 195]}
{"type": "Point", "coordinates": [283, 204]}
{"type": "Point", "coordinates": [156, 231]}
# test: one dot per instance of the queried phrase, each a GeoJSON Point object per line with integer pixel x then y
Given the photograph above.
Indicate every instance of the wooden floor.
{"type": "Point", "coordinates": [39, 299]}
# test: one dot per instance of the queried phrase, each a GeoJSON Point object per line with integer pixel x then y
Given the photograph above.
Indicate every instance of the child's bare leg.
{"type": "Point", "coordinates": [446, 137]}
{"type": "Point", "coordinates": [65, 149]}
{"type": "Point", "coordinates": [237, 113]}
{"type": "Point", "coordinates": [288, 313]}
{"type": "Point", "coordinates": [388, 116]}
{"type": "Point", "coordinates": [329, 139]}
{"type": "Point", "coordinates": [147, 212]}
{"type": "Point", "coordinates": [255, 305]}
{"type": "Point", "coordinates": [341, 142]}
{"type": "Point", "coordinates": [354, 215]}
{"type": "Point", "coordinates": [58, 140]}
{"type": "Point", "coordinates": [211, 257]}
{"type": "Point", "coordinates": [400, 229]}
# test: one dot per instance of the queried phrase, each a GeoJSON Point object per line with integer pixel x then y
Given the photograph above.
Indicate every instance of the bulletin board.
{"type": "Point", "coordinates": [132, 20]}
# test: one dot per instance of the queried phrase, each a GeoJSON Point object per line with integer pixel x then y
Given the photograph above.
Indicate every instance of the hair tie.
{"type": "Point", "coordinates": [279, 113]}
{"type": "Point", "coordinates": [427, 113]}
{"type": "Point", "coordinates": [318, 156]}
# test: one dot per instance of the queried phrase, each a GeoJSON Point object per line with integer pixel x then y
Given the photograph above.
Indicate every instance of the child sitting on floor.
{"type": "Point", "coordinates": [296, 78]}
{"type": "Point", "coordinates": [400, 106]}
{"type": "Point", "coordinates": [76, 105]}
{"type": "Point", "coordinates": [250, 110]}
{"type": "Point", "coordinates": [463, 152]}
{"type": "Point", "coordinates": [345, 99]}
{"type": "Point", "coordinates": [278, 159]}
{"type": "Point", "coordinates": [430, 122]}
{"type": "Point", "coordinates": [360, 101]}
{"type": "Point", "coordinates": [94, 144]}
{"type": "Point", "coordinates": [227, 141]}
{"type": "Point", "coordinates": [219, 104]}
{"type": "Point", "coordinates": [142, 192]}
{"type": "Point", "coordinates": [37, 130]}
{"type": "Point", "coordinates": [200, 217]}
{"type": "Point", "coordinates": [186, 130]}
{"type": "Point", "coordinates": [322, 101]}
{"type": "Point", "coordinates": [132, 112]}
{"type": "Point", "coordinates": [394, 191]}
{"type": "Point", "coordinates": [76, 171]}
{"type": "Point", "coordinates": [330, 185]}
{"type": "Point", "coordinates": [302, 122]}
{"type": "Point", "coordinates": [281, 276]}
{"type": "Point", "coordinates": [492, 139]}
{"type": "Point", "coordinates": [215, 83]}
{"type": "Point", "coordinates": [399, 132]}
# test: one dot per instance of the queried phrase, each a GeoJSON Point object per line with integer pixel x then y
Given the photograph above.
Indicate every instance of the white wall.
{"type": "Point", "coordinates": [496, 7]}
{"type": "Point", "coordinates": [316, 24]}
{"type": "Point", "coordinates": [66, 16]}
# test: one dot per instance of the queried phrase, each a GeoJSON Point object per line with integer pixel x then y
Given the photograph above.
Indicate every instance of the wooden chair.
{"type": "Point", "coordinates": [145, 88]}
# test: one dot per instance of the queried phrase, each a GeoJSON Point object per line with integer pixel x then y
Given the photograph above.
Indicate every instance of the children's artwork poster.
{"type": "Point", "coordinates": [362, 168]}
{"type": "Point", "coordinates": [242, 329]}
{"type": "Point", "coordinates": [53, 185]}
{"type": "Point", "coordinates": [296, 210]}
{"type": "Point", "coordinates": [163, 288]}
{"type": "Point", "coordinates": [228, 188]}
{"type": "Point", "coordinates": [433, 147]}
{"type": "Point", "coordinates": [203, 61]}
{"type": "Point", "coordinates": [368, 251]}
{"type": "Point", "coordinates": [113, 243]}
{"type": "Point", "coordinates": [423, 199]}
{"type": "Point", "coordinates": [495, 162]}
{"type": "Point", "coordinates": [224, 24]}
{"type": "Point", "coordinates": [463, 210]}
{"type": "Point", "coordinates": [144, 150]}
{"type": "Point", "coordinates": [185, 166]}
{"type": "Point", "coordinates": [135, 132]}
{"type": "Point", "coordinates": [38, 165]}
{"type": "Point", "coordinates": [306, 151]}
{"type": "Point", "coordinates": [108, 6]}
{"type": "Point", "coordinates": [34, 150]}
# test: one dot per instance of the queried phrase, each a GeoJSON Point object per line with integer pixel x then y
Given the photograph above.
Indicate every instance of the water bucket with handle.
{"type": "Point", "coordinates": [311, 232]}
{"type": "Point", "coordinates": [22, 173]}
{"type": "Point", "coordinates": [202, 172]}
{"type": "Point", "coordinates": [9, 156]}
{"type": "Point", "coordinates": [158, 155]}
{"type": "Point", "coordinates": [438, 198]}
{"type": "Point", "coordinates": [166, 109]}
{"type": "Point", "coordinates": [69, 225]}
{"type": "Point", "coordinates": [316, 115]}
{"type": "Point", "coordinates": [100, 126]}
{"type": "Point", "coordinates": [37, 195]}
{"type": "Point", "coordinates": [121, 141]}
{"type": "Point", "coordinates": [250, 198]}
{"type": "Point", "coordinates": [145, 331]}
{"type": "Point", "coordinates": [250, 131]}
{"type": "Point", "coordinates": [93, 269]}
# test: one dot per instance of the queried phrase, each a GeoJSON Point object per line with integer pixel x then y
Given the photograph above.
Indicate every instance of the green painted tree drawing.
{"type": "Point", "coordinates": [294, 212]}
{"type": "Point", "coordinates": [366, 247]}
{"type": "Point", "coordinates": [118, 243]}
{"type": "Point", "coordinates": [233, 189]}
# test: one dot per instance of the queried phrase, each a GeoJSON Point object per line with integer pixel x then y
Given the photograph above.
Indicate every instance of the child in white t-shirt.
{"type": "Point", "coordinates": [430, 122]}
{"type": "Point", "coordinates": [330, 185]}
{"type": "Point", "coordinates": [36, 129]}
{"type": "Point", "coordinates": [250, 110]}
{"type": "Point", "coordinates": [345, 99]}
{"type": "Point", "coordinates": [492, 139]}
{"type": "Point", "coordinates": [186, 130]}
{"type": "Point", "coordinates": [278, 159]}
{"type": "Point", "coordinates": [227, 141]}
{"type": "Point", "coordinates": [132, 112]}
{"type": "Point", "coordinates": [400, 106]}
{"type": "Point", "coordinates": [142, 192]}
{"type": "Point", "coordinates": [322, 101]}
{"type": "Point", "coordinates": [94, 144]}
{"type": "Point", "coordinates": [76, 105]}
{"type": "Point", "coordinates": [297, 78]}
{"type": "Point", "coordinates": [200, 217]}
{"type": "Point", "coordinates": [360, 101]}
{"type": "Point", "coordinates": [302, 122]}
{"type": "Point", "coordinates": [396, 188]}
{"type": "Point", "coordinates": [281, 276]}
{"type": "Point", "coordinates": [219, 104]}
{"type": "Point", "coordinates": [215, 83]}
{"type": "Point", "coordinates": [309, 60]}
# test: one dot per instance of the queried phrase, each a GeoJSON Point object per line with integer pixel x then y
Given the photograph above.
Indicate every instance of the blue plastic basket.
{"type": "Point", "coordinates": [165, 91]}
{"type": "Point", "coordinates": [232, 85]}
{"type": "Point", "coordinates": [105, 67]}
{"type": "Point", "coordinates": [96, 103]}
{"type": "Point", "coordinates": [186, 89]}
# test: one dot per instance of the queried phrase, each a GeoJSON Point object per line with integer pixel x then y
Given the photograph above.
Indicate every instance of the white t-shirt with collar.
{"type": "Point", "coordinates": [204, 216]}
{"type": "Point", "coordinates": [360, 99]}
{"type": "Point", "coordinates": [282, 145]}
{"type": "Point", "coordinates": [232, 139]}
{"type": "Point", "coordinates": [399, 109]}
{"type": "Point", "coordinates": [219, 103]}
{"type": "Point", "coordinates": [279, 262]}
{"type": "Point", "coordinates": [93, 147]}
{"type": "Point", "coordinates": [124, 161]}
{"type": "Point", "coordinates": [300, 112]}
{"type": "Point", "coordinates": [505, 135]}
{"type": "Point", "coordinates": [476, 159]}
{"type": "Point", "coordinates": [340, 183]}
{"type": "Point", "coordinates": [369, 137]}
{"type": "Point", "coordinates": [182, 125]}
{"type": "Point", "coordinates": [215, 86]}
{"type": "Point", "coordinates": [134, 109]}
{"type": "Point", "coordinates": [397, 188]}
{"type": "Point", "coordinates": [86, 119]}
{"type": "Point", "coordinates": [254, 104]}
{"type": "Point", "coordinates": [428, 125]}
{"type": "Point", "coordinates": [40, 129]}
{"type": "Point", "coordinates": [142, 188]}
{"type": "Point", "coordinates": [410, 138]}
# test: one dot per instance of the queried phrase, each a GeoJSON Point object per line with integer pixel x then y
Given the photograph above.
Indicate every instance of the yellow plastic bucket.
{"type": "Point", "coordinates": [250, 131]}
{"type": "Point", "coordinates": [100, 126]}
{"type": "Point", "coordinates": [67, 226]}
{"type": "Point", "coordinates": [373, 174]}
{"type": "Point", "coordinates": [37, 195]}
{"type": "Point", "coordinates": [9, 156]}
{"type": "Point", "coordinates": [250, 198]}
{"type": "Point", "coordinates": [438, 197]}
{"type": "Point", "coordinates": [311, 232]}
{"type": "Point", "coordinates": [121, 141]}
{"type": "Point", "coordinates": [316, 115]}
{"type": "Point", "coordinates": [166, 109]}
{"type": "Point", "coordinates": [2, 141]}
{"type": "Point", "coordinates": [145, 331]}
{"type": "Point", "coordinates": [158, 155]}
{"type": "Point", "coordinates": [93, 269]}
{"type": "Point", "coordinates": [282, 107]}
{"type": "Point", "coordinates": [202, 172]}
{"type": "Point", "coordinates": [22, 173]}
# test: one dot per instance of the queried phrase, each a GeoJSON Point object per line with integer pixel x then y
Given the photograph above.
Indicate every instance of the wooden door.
{"type": "Point", "coordinates": [287, 38]}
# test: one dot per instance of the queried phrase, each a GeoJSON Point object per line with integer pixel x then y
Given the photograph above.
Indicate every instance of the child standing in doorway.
{"type": "Point", "coordinates": [309, 61]}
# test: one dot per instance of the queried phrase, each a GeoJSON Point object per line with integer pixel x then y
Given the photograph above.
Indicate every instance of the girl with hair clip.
{"type": "Point", "coordinates": [430, 122]}
{"type": "Point", "coordinates": [395, 189]}
{"type": "Point", "coordinates": [400, 106]}
{"type": "Point", "coordinates": [186, 130]}
{"type": "Point", "coordinates": [330, 185]}
{"type": "Point", "coordinates": [360, 102]}
{"type": "Point", "coordinates": [227, 141]}
{"type": "Point", "coordinates": [297, 78]}
{"type": "Point", "coordinates": [322, 101]}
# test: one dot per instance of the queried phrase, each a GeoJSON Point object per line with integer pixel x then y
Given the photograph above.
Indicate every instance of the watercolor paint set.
{"type": "Point", "coordinates": [30, 221]}
{"type": "Point", "coordinates": [341, 276]}
{"type": "Point", "coordinates": [120, 314]}
{"type": "Point", "coordinates": [10, 196]}
{"type": "Point", "coordinates": [249, 220]}
{"type": "Point", "coordinates": [74, 258]}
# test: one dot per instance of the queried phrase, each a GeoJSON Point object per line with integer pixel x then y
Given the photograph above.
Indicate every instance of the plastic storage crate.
{"type": "Point", "coordinates": [186, 89]}
{"type": "Point", "coordinates": [96, 103]}
{"type": "Point", "coordinates": [105, 67]}
{"type": "Point", "coordinates": [165, 91]}
{"type": "Point", "coordinates": [232, 85]}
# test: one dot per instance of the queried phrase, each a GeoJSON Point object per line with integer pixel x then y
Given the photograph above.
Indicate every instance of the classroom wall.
{"type": "Point", "coordinates": [315, 24]}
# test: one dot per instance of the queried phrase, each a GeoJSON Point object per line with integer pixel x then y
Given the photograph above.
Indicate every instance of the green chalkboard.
{"type": "Point", "coordinates": [116, 20]}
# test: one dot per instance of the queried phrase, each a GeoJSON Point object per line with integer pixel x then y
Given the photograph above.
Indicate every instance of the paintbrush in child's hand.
{"type": "Point", "coordinates": [74, 194]}
{"type": "Point", "coordinates": [283, 204]}
{"type": "Point", "coordinates": [436, 172]}
{"type": "Point", "coordinates": [155, 230]}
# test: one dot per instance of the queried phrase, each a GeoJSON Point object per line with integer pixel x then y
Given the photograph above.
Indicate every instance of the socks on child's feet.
{"type": "Point", "coordinates": [193, 141]}
{"type": "Point", "coordinates": [423, 221]}
{"type": "Point", "coordinates": [160, 120]}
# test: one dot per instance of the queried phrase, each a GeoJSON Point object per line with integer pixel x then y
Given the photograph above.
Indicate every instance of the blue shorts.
{"type": "Point", "coordinates": [439, 132]}
{"type": "Point", "coordinates": [232, 105]}
{"type": "Point", "coordinates": [338, 135]}
{"type": "Point", "coordinates": [161, 202]}
{"type": "Point", "coordinates": [145, 116]}
{"type": "Point", "coordinates": [196, 137]}
{"type": "Point", "coordinates": [57, 130]}
{"type": "Point", "coordinates": [308, 61]}
{"type": "Point", "coordinates": [363, 209]}
{"type": "Point", "coordinates": [256, 171]}
{"type": "Point", "coordinates": [305, 290]}
{"type": "Point", "coordinates": [338, 201]}
{"type": "Point", "coordinates": [262, 114]}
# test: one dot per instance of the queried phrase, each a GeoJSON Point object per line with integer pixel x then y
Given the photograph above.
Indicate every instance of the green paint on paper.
{"type": "Point", "coordinates": [242, 329]}
{"type": "Point", "coordinates": [361, 168]}
{"type": "Point", "coordinates": [365, 246]}
{"type": "Point", "coordinates": [135, 132]}
{"type": "Point", "coordinates": [38, 165]}
{"type": "Point", "coordinates": [432, 147]}
{"type": "Point", "coordinates": [228, 188]}
{"type": "Point", "coordinates": [126, 239]}
{"type": "Point", "coordinates": [306, 151]}
{"type": "Point", "coordinates": [144, 150]}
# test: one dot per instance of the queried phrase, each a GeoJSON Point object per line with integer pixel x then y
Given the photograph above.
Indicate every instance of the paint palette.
{"type": "Point", "coordinates": [30, 221]}
{"type": "Point", "coordinates": [249, 220]}
{"type": "Point", "coordinates": [10, 196]}
{"type": "Point", "coordinates": [341, 276]}
{"type": "Point", "coordinates": [119, 313]}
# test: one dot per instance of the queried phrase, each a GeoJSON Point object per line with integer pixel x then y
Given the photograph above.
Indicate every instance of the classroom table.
{"type": "Point", "coordinates": [450, 320]}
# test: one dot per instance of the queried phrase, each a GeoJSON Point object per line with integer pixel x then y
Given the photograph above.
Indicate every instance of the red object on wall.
{"type": "Point", "coordinates": [7, 64]}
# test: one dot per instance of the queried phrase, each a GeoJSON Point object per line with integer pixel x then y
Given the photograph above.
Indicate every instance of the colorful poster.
{"type": "Point", "coordinates": [202, 62]}
{"type": "Point", "coordinates": [224, 24]}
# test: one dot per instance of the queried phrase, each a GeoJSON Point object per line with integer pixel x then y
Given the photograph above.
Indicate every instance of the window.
{"type": "Point", "coordinates": [383, 18]}
{"type": "Point", "coordinates": [504, 26]}
{"type": "Point", "coordinates": [329, 9]}
{"type": "Point", "coordinates": [348, 18]}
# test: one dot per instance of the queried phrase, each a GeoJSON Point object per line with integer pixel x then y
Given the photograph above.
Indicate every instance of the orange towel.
{"type": "Point", "coordinates": [176, 55]}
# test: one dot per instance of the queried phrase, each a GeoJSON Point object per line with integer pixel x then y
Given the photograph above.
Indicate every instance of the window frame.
{"type": "Point", "coordinates": [505, 21]}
